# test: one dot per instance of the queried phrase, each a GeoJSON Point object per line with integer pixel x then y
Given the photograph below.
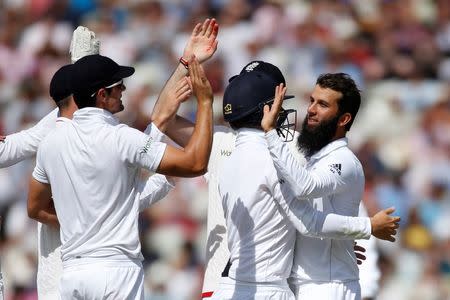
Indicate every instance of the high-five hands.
{"type": "Point", "coordinates": [202, 43]}
{"type": "Point", "coordinates": [269, 120]}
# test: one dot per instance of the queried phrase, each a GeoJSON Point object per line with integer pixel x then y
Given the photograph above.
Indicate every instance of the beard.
{"type": "Point", "coordinates": [312, 139]}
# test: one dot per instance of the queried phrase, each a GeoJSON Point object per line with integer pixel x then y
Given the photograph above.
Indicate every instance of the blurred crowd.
{"type": "Point", "coordinates": [398, 52]}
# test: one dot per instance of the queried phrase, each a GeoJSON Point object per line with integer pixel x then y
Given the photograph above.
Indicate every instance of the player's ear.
{"type": "Point", "coordinates": [100, 97]}
{"type": "Point", "coordinates": [344, 119]}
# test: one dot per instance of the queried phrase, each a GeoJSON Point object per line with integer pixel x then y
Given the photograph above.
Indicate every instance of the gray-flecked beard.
{"type": "Point", "coordinates": [312, 139]}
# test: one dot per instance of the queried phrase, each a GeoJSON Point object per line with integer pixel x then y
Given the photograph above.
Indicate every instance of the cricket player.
{"type": "Point", "coordinates": [50, 265]}
{"type": "Point", "coordinates": [92, 164]}
{"type": "Point", "coordinates": [332, 181]}
{"type": "Point", "coordinates": [49, 243]}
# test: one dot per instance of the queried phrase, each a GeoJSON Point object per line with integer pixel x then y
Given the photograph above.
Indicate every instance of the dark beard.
{"type": "Point", "coordinates": [313, 139]}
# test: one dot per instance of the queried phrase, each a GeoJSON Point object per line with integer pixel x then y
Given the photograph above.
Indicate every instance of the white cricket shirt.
{"type": "Point", "coordinates": [333, 182]}
{"type": "Point", "coordinates": [24, 144]}
{"type": "Point", "coordinates": [92, 164]}
{"type": "Point", "coordinates": [217, 253]}
{"type": "Point", "coordinates": [261, 236]}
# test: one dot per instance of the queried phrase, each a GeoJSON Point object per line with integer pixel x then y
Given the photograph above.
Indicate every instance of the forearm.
{"type": "Point", "coordinates": [311, 222]}
{"type": "Point", "coordinates": [199, 146]}
{"type": "Point", "coordinates": [24, 144]}
{"type": "Point", "coordinates": [164, 109]}
{"type": "Point", "coordinates": [47, 217]}
{"type": "Point", "coordinates": [180, 130]}
{"type": "Point", "coordinates": [17, 147]}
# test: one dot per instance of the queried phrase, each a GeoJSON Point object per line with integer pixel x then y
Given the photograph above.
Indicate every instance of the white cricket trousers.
{"type": "Point", "coordinates": [50, 264]}
{"type": "Point", "coordinates": [105, 279]}
{"type": "Point", "coordinates": [350, 290]}
{"type": "Point", "coordinates": [230, 289]}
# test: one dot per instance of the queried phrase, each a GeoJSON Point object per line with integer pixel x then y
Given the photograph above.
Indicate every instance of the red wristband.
{"type": "Point", "coordinates": [184, 62]}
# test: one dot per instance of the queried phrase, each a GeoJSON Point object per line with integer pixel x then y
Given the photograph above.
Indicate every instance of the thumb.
{"type": "Point", "coordinates": [266, 109]}
{"type": "Point", "coordinates": [389, 210]}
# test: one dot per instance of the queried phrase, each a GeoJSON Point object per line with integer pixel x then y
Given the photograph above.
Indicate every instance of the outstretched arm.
{"type": "Point", "coordinates": [203, 44]}
{"type": "Point", "coordinates": [311, 222]}
{"type": "Point", "coordinates": [22, 145]}
{"type": "Point", "coordinates": [193, 159]}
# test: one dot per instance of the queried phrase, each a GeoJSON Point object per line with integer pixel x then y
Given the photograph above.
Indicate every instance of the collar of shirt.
{"type": "Point", "coordinates": [63, 119]}
{"type": "Point", "coordinates": [94, 115]}
{"type": "Point", "coordinates": [342, 142]}
{"type": "Point", "coordinates": [245, 135]}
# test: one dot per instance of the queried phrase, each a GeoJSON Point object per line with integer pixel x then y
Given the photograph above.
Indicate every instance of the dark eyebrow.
{"type": "Point", "coordinates": [323, 102]}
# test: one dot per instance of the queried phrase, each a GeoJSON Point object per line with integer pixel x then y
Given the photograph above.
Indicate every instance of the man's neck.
{"type": "Point", "coordinates": [67, 112]}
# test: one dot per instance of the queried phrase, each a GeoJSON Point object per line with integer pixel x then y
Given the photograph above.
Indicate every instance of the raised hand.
{"type": "Point", "coordinates": [202, 43]}
{"type": "Point", "coordinates": [200, 84]}
{"type": "Point", "coordinates": [269, 120]}
{"type": "Point", "coordinates": [384, 226]}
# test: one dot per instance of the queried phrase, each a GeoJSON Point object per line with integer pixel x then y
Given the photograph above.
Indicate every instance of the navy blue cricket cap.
{"type": "Point", "coordinates": [92, 72]}
{"type": "Point", "coordinates": [249, 91]}
{"type": "Point", "coordinates": [60, 85]}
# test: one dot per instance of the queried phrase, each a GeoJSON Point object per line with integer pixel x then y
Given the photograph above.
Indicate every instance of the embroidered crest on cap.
{"type": "Point", "coordinates": [227, 109]}
{"type": "Point", "coordinates": [251, 66]}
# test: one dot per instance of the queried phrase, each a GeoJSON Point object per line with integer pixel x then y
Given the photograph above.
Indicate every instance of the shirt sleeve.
{"type": "Point", "coordinates": [304, 183]}
{"type": "Point", "coordinates": [39, 172]}
{"type": "Point", "coordinates": [153, 131]}
{"type": "Point", "coordinates": [311, 222]}
{"type": "Point", "coordinates": [155, 188]}
{"type": "Point", "coordinates": [139, 149]}
{"type": "Point", "coordinates": [24, 144]}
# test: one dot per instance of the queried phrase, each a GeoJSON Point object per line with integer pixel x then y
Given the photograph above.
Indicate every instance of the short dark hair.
{"type": "Point", "coordinates": [84, 100]}
{"type": "Point", "coordinates": [64, 103]}
{"type": "Point", "coordinates": [351, 95]}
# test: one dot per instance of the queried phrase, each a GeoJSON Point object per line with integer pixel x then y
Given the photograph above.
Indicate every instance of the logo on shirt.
{"type": "Point", "coordinates": [225, 152]}
{"type": "Point", "coordinates": [146, 146]}
{"type": "Point", "coordinates": [335, 168]}
{"type": "Point", "coordinates": [281, 180]}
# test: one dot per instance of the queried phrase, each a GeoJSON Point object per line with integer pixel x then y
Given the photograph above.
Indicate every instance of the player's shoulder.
{"type": "Point", "coordinates": [125, 135]}
{"type": "Point", "coordinates": [342, 161]}
{"type": "Point", "coordinates": [223, 140]}
{"type": "Point", "coordinates": [55, 136]}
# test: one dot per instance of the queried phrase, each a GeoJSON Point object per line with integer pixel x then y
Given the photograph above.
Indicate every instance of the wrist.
{"type": "Point", "coordinates": [184, 62]}
{"type": "Point", "coordinates": [205, 101]}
